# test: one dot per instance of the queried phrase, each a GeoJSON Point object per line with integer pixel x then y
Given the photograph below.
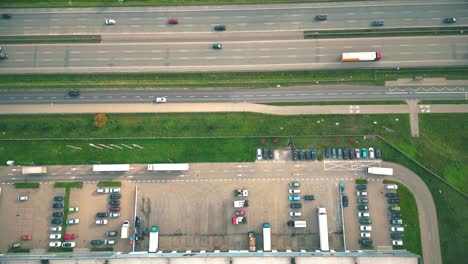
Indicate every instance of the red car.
{"type": "Point", "coordinates": [241, 213]}
{"type": "Point", "coordinates": [114, 209]}
{"type": "Point", "coordinates": [69, 236]}
{"type": "Point", "coordinates": [26, 237]}
{"type": "Point", "coordinates": [173, 21]}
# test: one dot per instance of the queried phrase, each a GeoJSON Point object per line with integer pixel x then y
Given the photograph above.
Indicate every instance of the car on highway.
{"type": "Point", "coordinates": [74, 93]}
{"type": "Point", "coordinates": [56, 221]}
{"type": "Point", "coordinates": [114, 209]}
{"type": "Point", "coordinates": [160, 99]}
{"type": "Point", "coordinates": [115, 196]}
{"type": "Point", "coordinates": [114, 215]}
{"type": "Point", "coordinates": [111, 233]}
{"type": "Point", "coordinates": [110, 22]}
{"type": "Point", "coordinates": [57, 205]}
{"type": "Point", "coordinates": [58, 198]}
{"type": "Point", "coordinates": [294, 190]}
{"type": "Point", "coordinates": [294, 184]}
{"type": "Point", "coordinates": [309, 197]}
{"type": "Point", "coordinates": [295, 214]}
{"type": "Point", "coordinates": [73, 221]}
{"type": "Point", "coordinates": [22, 198]}
{"type": "Point", "coordinates": [363, 207]}
{"type": "Point", "coordinates": [397, 242]}
{"type": "Point", "coordinates": [362, 201]}
{"type": "Point", "coordinates": [377, 23]}
{"type": "Point", "coordinates": [55, 236]}
{"type": "Point", "coordinates": [101, 222]}
{"type": "Point", "coordinates": [294, 198]}
{"type": "Point", "coordinates": [55, 229]}
{"type": "Point", "coordinates": [345, 201]}
{"type": "Point", "coordinates": [365, 228]}
{"type": "Point", "coordinates": [6, 16]}
{"type": "Point", "coordinates": [55, 244]}
{"type": "Point", "coordinates": [173, 21]}
{"type": "Point", "coordinates": [396, 222]}
{"type": "Point", "coordinates": [3, 55]}
{"type": "Point", "coordinates": [68, 244]}
{"type": "Point", "coordinates": [220, 27]}
{"type": "Point", "coordinates": [26, 237]}
{"type": "Point", "coordinates": [393, 201]}
{"type": "Point", "coordinates": [321, 17]}
{"type": "Point", "coordinates": [295, 205]}
{"type": "Point", "coordinates": [102, 214]}
{"type": "Point", "coordinates": [361, 187]}
{"type": "Point", "coordinates": [365, 221]}
{"type": "Point", "coordinates": [57, 214]}
{"type": "Point", "coordinates": [450, 20]}
{"type": "Point", "coordinates": [69, 236]}
{"type": "Point", "coordinates": [73, 209]}
{"type": "Point", "coordinates": [391, 195]}
{"type": "Point", "coordinates": [114, 202]}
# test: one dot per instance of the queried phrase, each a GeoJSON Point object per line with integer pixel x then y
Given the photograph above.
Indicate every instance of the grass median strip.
{"type": "Point", "coordinates": [109, 184]}
{"type": "Point", "coordinates": [50, 39]}
{"type": "Point", "coordinates": [385, 32]}
{"type": "Point", "coordinates": [338, 103]}
{"type": "Point", "coordinates": [443, 102]}
{"type": "Point", "coordinates": [68, 185]}
{"type": "Point", "coordinates": [27, 185]}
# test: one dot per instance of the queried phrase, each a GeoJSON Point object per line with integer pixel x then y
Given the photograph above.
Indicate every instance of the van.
{"type": "Point", "coordinates": [259, 154]}
{"type": "Point", "coordinates": [391, 187]}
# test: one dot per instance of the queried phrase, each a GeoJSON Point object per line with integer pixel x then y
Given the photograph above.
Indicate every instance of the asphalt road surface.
{"type": "Point", "coordinates": [266, 55]}
{"type": "Point", "coordinates": [236, 18]}
{"type": "Point", "coordinates": [288, 94]}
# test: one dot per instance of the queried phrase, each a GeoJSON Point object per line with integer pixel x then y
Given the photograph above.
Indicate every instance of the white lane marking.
{"type": "Point", "coordinates": [187, 17]}
{"type": "Point", "coordinates": [102, 51]}
{"type": "Point", "coordinates": [19, 60]}
{"type": "Point", "coordinates": [350, 13]}
{"type": "Point", "coordinates": [27, 27]}
{"type": "Point", "coordinates": [82, 19]}
{"type": "Point", "coordinates": [269, 23]}
{"type": "Point", "coordinates": [406, 53]}
{"type": "Point", "coordinates": [215, 17]}
{"type": "Point", "coordinates": [376, 46]}
{"type": "Point", "coordinates": [240, 16]}
{"type": "Point", "coordinates": [242, 24]}
{"type": "Point", "coordinates": [82, 26]}
{"type": "Point", "coordinates": [434, 52]}
{"type": "Point", "coordinates": [155, 51]}
{"type": "Point", "coordinates": [135, 26]}
{"type": "Point", "coordinates": [47, 60]}
{"type": "Point", "coordinates": [406, 12]}
{"type": "Point", "coordinates": [101, 59]}
{"type": "Point", "coordinates": [156, 58]}
{"type": "Point", "coordinates": [404, 45]}
{"type": "Point", "coordinates": [350, 21]}
{"type": "Point", "coordinates": [265, 49]}
{"type": "Point", "coordinates": [407, 19]}
{"type": "Point", "coordinates": [292, 48]}
{"type": "Point", "coordinates": [433, 44]}
{"type": "Point", "coordinates": [47, 52]}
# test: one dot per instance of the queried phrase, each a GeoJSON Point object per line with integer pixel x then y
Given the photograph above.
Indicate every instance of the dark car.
{"type": "Point", "coordinates": [333, 153]}
{"type": "Point", "coordinates": [307, 154]}
{"type": "Point", "coordinates": [115, 196]}
{"type": "Point", "coordinates": [217, 46]}
{"type": "Point", "coordinates": [396, 222]}
{"type": "Point", "coordinates": [352, 155]}
{"type": "Point", "coordinates": [327, 153]}
{"type": "Point", "coordinates": [362, 201]}
{"type": "Point", "coordinates": [6, 16]}
{"type": "Point", "coordinates": [173, 21]}
{"type": "Point", "coordinates": [361, 187]}
{"type": "Point", "coordinates": [394, 214]}
{"type": "Point", "coordinates": [391, 195]}
{"type": "Point", "coordinates": [313, 154]}
{"type": "Point", "coordinates": [102, 215]}
{"type": "Point", "coordinates": [363, 207]}
{"type": "Point", "coordinates": [450, 20]}
{"type": "Point", "coordinates": [96, 242]}
{"type": "Point", "coordinates": [294, 154]}
{"type": "Point", "coordinates": [57, 214]}
{"type": "Point", "coordinates": [396, 235]}
{"type": "Point", "coordinates": [378, 153]}
{"type": "Point", "coordinates": [290, 223]}
{"type": "Point", "coordinates": [321, 17]}
{"type": "Point", "coordinates": [301, 155]}
{"type": "Point", "coordinates": [74, 93]}
{"type": "Point", "coordinates": [58, 198]}
{"type": "Point", "coordinates": [365, 241]}
{"type": "Point", "coordinates": [117, 208]}
{"type": "Point", "coordinates": [365, 221]}
{"type": "Point", "coordinates": [220, 28]}
{"type": "Point", "coordinates": [295, 205]}
{"type": "Point", "coordinates": [393, 201]}
{"type": "Point", "coordinates": [345, 154]}
{"type": "Point", "coordinates": [309, 197]}
{"type": "Point", "coordinates": [137, 221]}
{"type": "Point", "coordinates": [114, 202]}
{"type": "Point", "coordinates": [377, 23]}
{"type": "Point", "coordinates": [57, 205]}
{"type": "Point", "coordinates": [345, 201]}
{"type": "Point", "coordinates": [56, 221]}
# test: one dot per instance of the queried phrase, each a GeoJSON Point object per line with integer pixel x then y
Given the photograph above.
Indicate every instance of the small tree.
{"type": "Point", "coordinates": [100, 120]}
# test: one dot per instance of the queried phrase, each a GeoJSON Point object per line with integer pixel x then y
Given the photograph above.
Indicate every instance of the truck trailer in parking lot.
{"type": "Point", "coordinates": [361, 56]}
{"type": "Point", "coordinates": [266, 237]}
{"type": "Point", "coordinates": [323, 227]}
{"type": "Point", "coordinates": [153, 240]}
{"type": "Point", "coordinates": [380, 171]}
{"type": "Point", "coordinates": [125, 229]}
{"type": "Point", "coordinates": [33, 170]}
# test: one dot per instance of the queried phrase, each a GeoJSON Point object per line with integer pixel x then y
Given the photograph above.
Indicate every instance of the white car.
{"type": "Point", "coordinates": [109, 242]}
{"type": "Point", "coordinates": [68, 244]}
{"type": "Point", "coordinates": [73, 221]}
{"type": "Point", "coordinates": [391, 187]}
{"type": "Point", "coordinates": [365, 228]}
{"type": "Point", "coordinates": [114, 215]}
{"type": "Point", "coordinates": [103, 190]}
{"type": "Point", "coordinates": [358, 153]}
{"type": "Point", "coordinates": [259, 154]}
{"type": "Point", "coordinates": [22, 198]}
{"type": "Point", "coordinates": [55, 229]}
{"type": "Point", "coordinates": [397, 229]}
{"type": "Point", "coordinates": [363, 214]}
{"type": "Point", "coordinates": [365, 234]}
{"type": "Point", "coordinates": [115, 190]}
{"type": "Point", "coordinates": [295, 213]}
{"type": "Point", "coordinates": [101, 222]}
{"type": "Point", "coordinates": [160, 99]}
{"type": "Point", "coordinates": [361, 193]}
{"type": "Point", "coordinates": [55, 236]}
{"type": "Point", "coordinates": [397, 242]}
{"type": "Point", "coordinates": [294, 191]}
{"type": "Point", "coordinates": [110, 22]}
{"type": "Point", "coordinates": [371, 153]}
{"type": "Point", "coordinates": [55, 244]}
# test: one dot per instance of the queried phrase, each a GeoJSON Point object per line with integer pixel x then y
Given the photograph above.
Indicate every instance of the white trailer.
{"type": "Point", "coordinates": [125, 229]}
{"type": "Point", "coordinates": [361, 56]}
{"type": "Point", "coordinates": [168, 167]}
{"type": "Point", "coordinates": [33, 170]}
{"type": "Point", "coordinates": [380, 171]}
{"type": "Point", "coordinates": [266, 237]}
{"type": "Point", "coordinates": [154, 239]}
{"type": "Point", "coordinates": [111, 167]}
{"type": "Point", "coordinates": [323, 227]}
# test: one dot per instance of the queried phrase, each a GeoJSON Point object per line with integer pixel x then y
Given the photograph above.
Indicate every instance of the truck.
{"type": "Point", "coordinates": [323, 228]}
{"type": "Point", "coordinates": [125, 229]}
{"type": "Point", "coordinates": [239, 220]}
{"type": "Point", "coordinates": [241, 193]}
{"type": "Point", "coordinates": [241, 203]}
{"type": "Point", "coordinates": [380, 171]}
{"type": "Point", "coordinates": [361, 56]}
{"type": "Point", "coordinates": [153, 239]}
{"type": "Point", "coordinates": [33, 170]}
{"type": "Point", "coordinates": [252, 246]}
{"type": "Point", "coordinates": [266, 237]}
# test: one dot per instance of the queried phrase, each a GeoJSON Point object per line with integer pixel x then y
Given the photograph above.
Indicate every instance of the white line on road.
{"type": "Point", "coordinates": [156, 58]}
{"type": "Point", "coordinates": [406, 53]}
{"type": "Point", "coordinates": [434, 52]}
{"type": "Point", "coordinates": [240, 16]}
{"type": "Point", "coordinates": [135, 25]}
{"type": "Point", "coordinates": [242, 24]}
{"type": "Point", "coordinates": [102, 59]}
{"type": "Point", "coordinates": [404, 45]}
{"type": "Point", "coordinates": [82, 26]}
{"type": "Point", "coordinates": [350, 13]}
{"type": "Point", "coordinates": [155, 51]}
{"type": "Point", "coordinates": [27, 27]}
{"type": "Point", "coordinates": [47, 60]}
{"type": "Point", "coordinates": [215, 17]}
{"type": "Point", "coordinates": [265, 49]}
{"type": "Point", "coordinates": [433, 44]}
{"type": "Point", "coordinates": [376, 46]}
{"type": "Point", "coordinates": [128, 51]}
{"type": "Point", "coordinates": [269, 23]}
{"type": "Point", "coordinates": [75, 59]}
{"type": "Point", "coordinates": [135, 18]}
{"type": "Point", "coordinates": [19, 60]}
{"type": "Point", "coordinates": [350, 21]}
{"type": "Point", "coordinates": [47, 52]}
{"type": "Point", "coordinates": [102, 51]}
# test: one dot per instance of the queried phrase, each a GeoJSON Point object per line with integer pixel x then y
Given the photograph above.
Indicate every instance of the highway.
{"type": "Point", "coordinates": [288, 94]}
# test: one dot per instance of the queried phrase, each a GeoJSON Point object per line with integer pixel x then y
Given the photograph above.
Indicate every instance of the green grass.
{"type": "Point", "coordinates": [220, 80]}
{"type": "Point", "coordinates": [60, 250]}
{"type": "Point", "coordinates": [111, 249]}
{"type": "Point", "coordinates": [19, 250]}
{"type": "Point", "coordinates": [338, 103]}
{"type": "Point", "coordinates": [361, 181]}
{"type": "Point", "coordinates": [110, 184]}
{"type": "Point", "coordinates": [27, 185]}
{"type": "Point", "coordinates": [50, 39]}
{"type": "Point", "coordinates": [461, 101]}
{"type": "Point", "coordinates": [68, 185]}
{"type": "Point", "coordinates": [386, 32]}
{"type": "Point", "coordinates": [66, 205]}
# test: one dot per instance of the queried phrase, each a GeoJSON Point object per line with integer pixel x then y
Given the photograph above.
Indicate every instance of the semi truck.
{"type": "Point", "coordinates": [241, 203]}
{"type": "Point", "coordinates": [252, 242]}
{"type": "Point", "coordinates": [125, 229]}
{"type": "Point", "coordinates": [153, 239]}
{"type": "Point", "coordinates": [380, 171]}
{"type": "Point", "coordinates": [323, 228]}
{"type": "Point", "coordinates": [33, 170]}
{"type": "Point", "coordinates": [361, 56]}
{"type": "Point", "coordinates": [266, 237]}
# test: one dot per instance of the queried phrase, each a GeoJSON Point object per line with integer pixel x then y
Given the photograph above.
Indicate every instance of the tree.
{"type": "Point", "coordinates": [100, 120]}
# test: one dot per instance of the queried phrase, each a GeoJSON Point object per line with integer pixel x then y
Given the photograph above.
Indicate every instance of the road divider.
{"type": "Point", "coordinates": [42, 39]}
{"type": "Point", "coordinates": [385, 32]}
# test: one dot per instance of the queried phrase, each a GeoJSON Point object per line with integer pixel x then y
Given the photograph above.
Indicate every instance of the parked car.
{"type": "Point", "coordinates": [365, 228]}
{"type": "Point", "coordinates": [294, 190]}
{"type": "Point", "coordinates": [73, 221]}
{"type": "Point", "coordinates": [173, 21]}
{"type": "Point", "coordinates": [397, 229]}
{"type": "Point", "coordinates": [378, 153]}
{"type": "Point", "coordinates": [345, 201]}
{"type": "Point", "coordinates": [391, 187]}
{"type": "Point", "coordinates": [365, 234]}
{"type": "Point", "coordinates": [358, 153]}
{"type": "Point", "coordinates": [69, 236]}
{"type": "Point", "coordinates": [307, 154]}
{"type": "Point", "coordinates": [309, 197]}
{"type": "Point", "coordinates": [109, 242]}
{"type": "Point", "coordinates": [365, 241]}
{"type": "Point", "coordinates": [450, 20]}
{"type": "Point", "coordinates": [114, 214]}
{"type": "Point", "coordinates": [377, 23]}
{"type": "Point", "coordinates": [394, 208]}
{"type": "Point", "coordinates": [22, 198]}
{"type": "Point", "coordinates": [396, 222]}
{"type": "Point", "coordinates": [259, 154]}
{"type": "Point", "coordinates": [327, 153]}
{"type": "Point", "coordinates": [103, 190]}
{"type": "Point", "coordinates": [352, 154]}
{"type": "Point", "coordinates": [15, 245]}
{"type": "Point", "coordinates": [294, 184]}
{"type": "Point", "coordinates": [295, 214]}
{"type": "Point", "coordinates": [313, 154]}
{"type": "Point", "coordinates": [295, 205]}
{"type": "Point", "coordinates": [115, 190]}
{"type": "Point", "coordinates": [365, 221]}
{"type": "Point", "coordinates": [340, 154]}
{"type": "Point", "coordinates": [220, 27]}
{"type": "Point", "coordinates": [114, 209]}
{"type": "Point", "coordinates": [217, 46]}
{"type": "Point", "coordinates": [96, 242]}
{"type": "Point", "coordinates": [371, 153]}
{"type": "Point", "coordinates": [321, 17]}
{"type": "Point", "coordinates": [73, 209]}
{"type": "Point", "coordinates": [345, 154]}
{"type": "Point", "coordinates": [110, 22]}
{"type": "Point", "coordinates": [240, 213]}
{"type": "Point", "coordinates": [333, 153]}
{"type": "Point", "coordinates": [391, 195]}
{"type": "Point", "coordinates": [101, 222]}
{"type": "Point", "coordinates": [102, 214]}
{"type": "Point", "coordinates": [362, 201]}
{"type": "Point", "coordinates": [56, 221]}
{"type": "Point", "coordinates": [364, 153]}
{"type": "Point", "coordinates": [55, 244]}
{"type": "Point", "coordinates": [363, 207]}
{"type": "Point", "coordinates": [26, 237]}
{"type": "Point", "coordinates": [55, 229]}
{"type": "Point", "coordinates": [361, 193]}
{"type": "Point", "coordinates": [394, 214]}
{"type": "Point", "coordinates": [363, 214]}
{"type": "Point", "coordinates": [111, 233]}
{"type": "Point", "coordinates": [301, 155]}
{"type": "Point", "coordinates": [294, 198]}
{"type": "Point", "coordinates": [271, 154]}
{"type": "Point", "coordinates": [361, 187]}
{"type": "Point", "coordinates": [114, 202]}
{"type": "Point", "coordinates": [57, 214]}
{"type": "Point", "coordinates": [397, 242]}
{"type": "Point", "coordinates": [58, 198]}
{"type": "Point", "coordinates": [396, 236]}
{"type": "Point", "coordinates": [68, 244]}
{"type": "Point", "coordinates": [55, 236]}
{"type": "Point", "coordinates": [57, 205]}
{"type": "Point", "coordinates": [295, 154]}
{"type": "Point", "coordinates": [393, 201]}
